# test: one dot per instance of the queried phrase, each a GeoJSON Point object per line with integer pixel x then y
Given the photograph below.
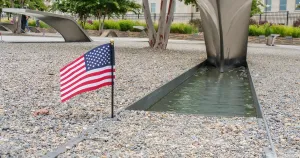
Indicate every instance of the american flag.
{"type": "Point", "coordinates": [89, 72]}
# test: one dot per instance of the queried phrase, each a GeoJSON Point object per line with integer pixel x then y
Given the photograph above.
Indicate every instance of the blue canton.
{"type": "Point", "coordinates": [98, 57]}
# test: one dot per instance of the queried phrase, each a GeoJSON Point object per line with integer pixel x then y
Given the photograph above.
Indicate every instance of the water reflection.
{"type": "Point", "coordinates": [210, 92]}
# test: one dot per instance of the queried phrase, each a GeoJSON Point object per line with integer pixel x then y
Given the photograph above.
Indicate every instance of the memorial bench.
{"type": "Point", "coordinates": [66, 26]}
{"type": "Point", "coordinates": [142, 29]}
{"type": "Point", "coordinates": [6, 26]}
{"type": "Point", "coordinates": [271, 39]}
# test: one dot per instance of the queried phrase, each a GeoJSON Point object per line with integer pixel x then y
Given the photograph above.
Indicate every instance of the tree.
{"type": "Point", "coordinates": [3, 4]}
{"type": "Point", "coordinates": [101, 9]}
{"type": "Point", "coordinates": [108, 8]}
{"type": "Point", "coordinates": [256, 7]}
{"type": "Point", "coordinates": [31, 4]}
{"type": "Point", "coordinates": [82, 8]}
{"type": "Point", "coordinates": [160, 38]}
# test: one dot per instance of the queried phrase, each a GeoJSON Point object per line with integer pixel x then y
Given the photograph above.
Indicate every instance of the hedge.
{"type": "Point", "coordinates": [127, 25]}
{"type": "Point", "coordinates": [267, 29]}
{"type": "Point", "coordinates": [182, 28]}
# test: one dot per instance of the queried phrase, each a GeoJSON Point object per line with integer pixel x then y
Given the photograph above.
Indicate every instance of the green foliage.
{"type": "Point", "coordinates": [110, 24]}
{"type": "Point", "coordinates": [267, 29]}
{"type": "Point", "coordinates": [196, 23]}
{"type": "Point", "coordinates": [127, 25]}
{"type": "Point", "coordinates": [98, 8]}
{"type": "Point", "coordinates": [182, 28]}
{"type": "Point", "coordinates": [256, 7]}
{"type": "Point", "coordinates": [31, 4]}
{"type": "Point", "coordinates": [42, 24]}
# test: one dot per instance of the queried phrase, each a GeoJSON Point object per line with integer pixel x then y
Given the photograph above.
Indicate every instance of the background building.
{"type": "Point", "coordinates": [281, 5]}
{"type": "Point", "coordinates": [179, 8]}
{"type": "Point", "coordinates": [183, 13]}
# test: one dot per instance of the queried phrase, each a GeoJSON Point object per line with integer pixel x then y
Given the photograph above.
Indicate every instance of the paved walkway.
{"type": "Point", "coordinates": [58, 38]}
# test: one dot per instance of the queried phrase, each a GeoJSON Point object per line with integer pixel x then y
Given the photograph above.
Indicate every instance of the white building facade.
{"type": "Point", "coordinates": [281, 5]}
{"type": "Point", "coordinates": [179, 8]}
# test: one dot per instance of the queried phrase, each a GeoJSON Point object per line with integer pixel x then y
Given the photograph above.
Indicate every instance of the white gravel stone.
{"type": "Point", "coordinates": [31, 82]}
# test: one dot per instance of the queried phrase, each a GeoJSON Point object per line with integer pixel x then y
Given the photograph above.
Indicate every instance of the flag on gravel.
{"type": "Point", "coordinates": [89, 72]}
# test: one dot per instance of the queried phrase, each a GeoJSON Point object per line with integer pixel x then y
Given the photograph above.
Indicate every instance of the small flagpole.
{"type": "Point", "coordinates": [112, 61]}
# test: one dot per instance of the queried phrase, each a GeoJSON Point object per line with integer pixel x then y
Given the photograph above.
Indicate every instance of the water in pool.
{"type": "Point", "coordinates": [209, 92]}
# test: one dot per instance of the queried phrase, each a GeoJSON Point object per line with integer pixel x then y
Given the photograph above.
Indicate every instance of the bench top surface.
{"type": "Point", "coordinates": [139, 27]}
{"type": "Point", "coordinates": [33, 13]}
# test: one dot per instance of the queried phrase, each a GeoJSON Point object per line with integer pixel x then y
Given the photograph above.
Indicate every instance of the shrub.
{"type": "Point", "coordinates": [197, 23]}
{"type": "Point", "coordinates": [252, 22]}
{"type": "Point", "coordinates": [252, 30]}
{"type": "Point", "coordinates": [297, 23]}
{"type": "Point", "coordinates": [42, 24]}
{"type": "Point", "coordinates": [183, 28]}
{"type": "Point", "coordinates": [126, 25]}
{"type": "Point", "coordinates": [90, 21]}
{"type": "Point", "coordinates": [267, 29]}
{"type": "Point", "coordinates": [262, 22]}
{"type": "Point", "coordinates": [110, 24]}
{"type": "Point", "coordinates": [296, 32]}
{"type": "Point", "coordinates": [90, 27]}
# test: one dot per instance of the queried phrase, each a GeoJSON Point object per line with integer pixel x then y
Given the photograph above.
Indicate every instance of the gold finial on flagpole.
{"type": "Point", "coordinates": [112, 41]}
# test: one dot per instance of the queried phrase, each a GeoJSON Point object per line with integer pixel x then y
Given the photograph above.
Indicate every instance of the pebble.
{"type": "Point", "coordinates": [33, 83]}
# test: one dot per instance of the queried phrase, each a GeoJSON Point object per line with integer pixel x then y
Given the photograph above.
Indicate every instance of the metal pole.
{"type": "Point", "coordinates": [287, 18]}
{"type": "Point", "coordinates": [259, 19]}
{"type": "Point", "coordinates": [112, 61]}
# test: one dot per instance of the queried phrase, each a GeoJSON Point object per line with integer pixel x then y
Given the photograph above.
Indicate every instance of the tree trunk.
{"type": "Point", "coordinates": [19, 29]}
{"type": "Point", "coordinates": [99, 29]}
{"type": "Point", "coordinates": [161, 25]}
{"type": "Point", "coordinates": [12, 4]}
{"type": "Point", "coordinates": [160, 39]}
{"type": "Point", "coordinates": [170, 18]}
{"type": "Point", "coordinates": [149, 22]}
{"type": "Point", "coordinates": [102, 24]}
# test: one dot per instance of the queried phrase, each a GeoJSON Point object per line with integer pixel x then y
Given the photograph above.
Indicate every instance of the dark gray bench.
{"type": "Point", "coordinates": [271, 39]}
{"type": "Point", "coordinates": [6, 26]}
{"type": "Point", "coordinates": [65, 25]}
{"type": "Point", "coordinates": [142, 29]}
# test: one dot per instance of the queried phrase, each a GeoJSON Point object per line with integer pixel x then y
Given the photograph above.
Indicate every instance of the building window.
{"type": "Point", "coordinates": [298, 4]}
{"type": "Point", "coordinates": [153, 7]}
{"type": "Point", "coordinates": [282, 5]}
{"type": "Point", "coordinates": [268, 5]}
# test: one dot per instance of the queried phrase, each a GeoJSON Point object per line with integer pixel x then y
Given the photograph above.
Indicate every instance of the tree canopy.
{"type": "Point", "coordinates": [98, 8]}
{"type": "Point", "coordinates": [30, 4]}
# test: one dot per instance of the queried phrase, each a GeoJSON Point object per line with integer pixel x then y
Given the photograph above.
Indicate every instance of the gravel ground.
{"type": "Point", "coordinates": [276, 75]}
{"type": "Point", "coordinates": [34, 84]}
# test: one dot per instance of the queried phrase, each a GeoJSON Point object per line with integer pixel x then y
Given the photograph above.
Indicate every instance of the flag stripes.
{"type": "Point", "coordinates": [86, 73]}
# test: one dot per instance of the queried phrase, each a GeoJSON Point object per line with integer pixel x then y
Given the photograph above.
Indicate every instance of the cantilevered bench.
{"type": "Point", "coordinates": [271, 39]}
{"type": "Point", "coordinates": [6, 26]}
{"type": "Point", "coordinates": [66, 26]}
{"type": "Point", "coordinates": [3, 28]}
{"type": "Point", "coordinates": [142, 29]}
